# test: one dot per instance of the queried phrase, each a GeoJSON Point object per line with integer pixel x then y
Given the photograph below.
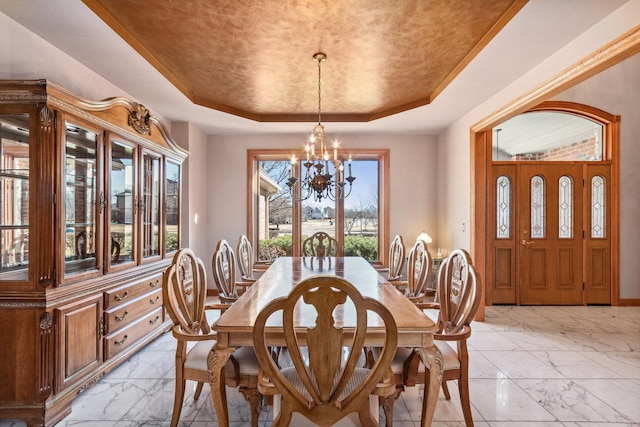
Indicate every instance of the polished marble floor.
{"type": "Point", "coordinates": [529, 366]}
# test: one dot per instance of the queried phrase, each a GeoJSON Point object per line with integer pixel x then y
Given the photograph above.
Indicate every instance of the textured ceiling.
{"type": "Point", "coordinates": [254, 58]}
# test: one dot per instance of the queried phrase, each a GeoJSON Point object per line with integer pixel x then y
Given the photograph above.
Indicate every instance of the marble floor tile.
{"type": "Point", "coordinates": [147, 364]}
{"type": "Point", "coordinates": [504, 400]}
{"type": "Point", "coordinates": [481, 367]}
{"type": "Point", "coordinates": [533, 366]}
{"type": "Point", "coordinates": [573, 364]}
{"type": "Point", "coordinates": [566, 400]}
{"type": "Point", "coordinates": [491, 341]}
{"type": "Point", "coordinates": [521, 364]}
{"type": "Point", "coordinates": [624, 363]}
{"type": "Point", "coordinates": [111, 399]}
{"type": "Point", "coordinates": [621, 394]}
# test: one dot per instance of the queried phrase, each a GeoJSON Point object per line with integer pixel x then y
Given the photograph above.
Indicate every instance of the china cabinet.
{"type": "Point", "coordinates": [89, 220]}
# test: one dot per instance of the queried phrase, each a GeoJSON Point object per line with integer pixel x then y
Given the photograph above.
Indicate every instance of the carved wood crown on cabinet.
{"type": "Point", "coordinates": [89, 221]}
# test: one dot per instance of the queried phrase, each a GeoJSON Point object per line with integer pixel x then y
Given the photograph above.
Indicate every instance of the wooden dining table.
{"type": "Point", "coordinates": [234, 328]}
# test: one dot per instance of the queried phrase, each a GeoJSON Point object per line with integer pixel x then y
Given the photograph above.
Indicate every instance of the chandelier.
{"type": "Point", "coordinates": [318, 180]}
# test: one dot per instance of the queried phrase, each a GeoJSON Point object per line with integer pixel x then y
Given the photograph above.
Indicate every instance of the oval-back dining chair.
{"type": "Point", "coordinates": [459, 294]}
{"type": "Point", "coordinates": [320, 244]}
{"type": "Point", "coordinates": [184, 291]}
{"type": "Point", "coordinates": [396, 258]}
{"type": "Point", "coordinates": [324, 383]}
{"type": "Point", "coordinates": [246, 259]}
{"type": "Point", "coordinates": [418, 271]}
{"type": "Point", "coordinates": [223, 264]}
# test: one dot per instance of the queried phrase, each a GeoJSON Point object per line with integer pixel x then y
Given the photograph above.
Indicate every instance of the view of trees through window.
{"type": "Point", "coordinates": [276, 221]}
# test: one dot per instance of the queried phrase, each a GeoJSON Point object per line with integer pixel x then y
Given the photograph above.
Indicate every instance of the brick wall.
{"type": "Point", "coordinates": [586, 149]}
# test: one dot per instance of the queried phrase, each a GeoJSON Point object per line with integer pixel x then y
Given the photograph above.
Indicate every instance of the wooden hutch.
{"type": "Point", "coordinates": [90, 214]}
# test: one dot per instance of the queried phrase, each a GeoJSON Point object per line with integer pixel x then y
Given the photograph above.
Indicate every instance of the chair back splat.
{"type": "Point", "coordinates": [324, 383]}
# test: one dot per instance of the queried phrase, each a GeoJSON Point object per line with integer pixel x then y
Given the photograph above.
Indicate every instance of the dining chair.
{"type": "Point", "coordinates": [418, 271]}
{"type": "Point", "coordinates": [246, 260]}
{"type": "Point", "coordinates": [324, 384]}
{"type": "Point", "coordinates": [459, 295]}
{"type": "Point", "coordinates": [184, 292]}
{"type": "Point", "coordinates": [320, 244]}
{"type": "Point", "coordinates": [223, 265]}
{"type": "Point", "coordinates": [396, 260]}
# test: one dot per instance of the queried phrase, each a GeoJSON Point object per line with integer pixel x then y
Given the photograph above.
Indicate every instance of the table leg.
{"type": "Point", "coordinates": [432, 359]}
{"type": "Point", "coordinates": [216, 361]}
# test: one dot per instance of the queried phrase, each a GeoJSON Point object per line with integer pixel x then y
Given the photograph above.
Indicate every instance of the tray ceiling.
{"type": "Point", "coordinates": [254, 59]}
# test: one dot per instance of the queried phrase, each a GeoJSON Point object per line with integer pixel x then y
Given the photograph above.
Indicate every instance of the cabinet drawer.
{"type": "Point", "coordinates": [128, 335]}
{"type": "Point", "coordinates": [124, 294]}
{"type": "Point", "coordinates": [121, 315]}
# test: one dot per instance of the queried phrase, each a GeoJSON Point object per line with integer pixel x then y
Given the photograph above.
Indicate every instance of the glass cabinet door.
{"type": "Point", "coordinates": [14, 197]}
{"type": "Point", "coordinates": [172, 207]}
{"type": "Point", "coordinates": [121, 204]}
{"type": "Point", "coordinates": [81, 197]}
{"type": "Point", "coordinates": [150, 206]}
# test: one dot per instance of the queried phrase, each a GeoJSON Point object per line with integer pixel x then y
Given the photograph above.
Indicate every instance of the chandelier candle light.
{"type": "Point", "coordinates": [318, 179]}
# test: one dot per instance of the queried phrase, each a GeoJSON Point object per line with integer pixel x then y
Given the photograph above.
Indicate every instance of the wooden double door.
{"type": "Point", "coordinates": [550, 239]}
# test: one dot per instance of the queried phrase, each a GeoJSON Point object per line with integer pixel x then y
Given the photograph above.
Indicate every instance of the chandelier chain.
{"type": "Point", "coordinates": [319, 92]}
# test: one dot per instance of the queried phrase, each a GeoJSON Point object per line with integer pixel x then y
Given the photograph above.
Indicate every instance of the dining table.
{"type": "Point", "coordinates": [234, 328]}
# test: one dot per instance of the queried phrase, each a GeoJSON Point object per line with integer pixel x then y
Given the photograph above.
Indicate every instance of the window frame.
{"type": "Point", "coordinates": [380, 155]}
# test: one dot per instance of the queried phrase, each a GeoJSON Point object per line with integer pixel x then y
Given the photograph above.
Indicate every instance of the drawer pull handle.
{"type": "Point", "coordinates": [120, 298]}
{"type": "Point", "coordinates": [154, 321]}
{"type": "Point", "coordinates": [121, 318]}
{"type": "Point", "coordinates": [124, 340]}
{"type": "Point", "coordinates": [153, 301]}
{"type": "Point", "coordinates": [154, 284]}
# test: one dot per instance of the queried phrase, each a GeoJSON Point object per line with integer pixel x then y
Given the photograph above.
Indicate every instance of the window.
{"type": "Point", "coordinates": [598, 207]}
{"type": "Point", "coordinates": [548, 136]}
{"type": "Point", "coordinates": [503, 208]}
{"type": "Point", "coordinates": [278, 223]}
{"type": "Point", "coordinates": [537, 207]}
{"type": "Point", "coordinates": [565, 207]}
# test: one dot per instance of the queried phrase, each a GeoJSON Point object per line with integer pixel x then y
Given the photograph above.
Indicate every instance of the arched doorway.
{"type": "Point", "coordinates": [549, 213]}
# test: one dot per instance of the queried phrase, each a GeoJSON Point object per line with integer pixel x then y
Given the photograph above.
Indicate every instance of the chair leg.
{"type": "Point", "coordinates": [255, 402]}
{"type": "Point", "coordinates": [196, 394]}
{"type": "Point", "coordinates": [445, 389]}
{"type": "Point", "coordinates": [387, 403]}
{"type": "Point", "coordinates": [465, 401]}
{"type": "Point", "coordinates": [178, 398]}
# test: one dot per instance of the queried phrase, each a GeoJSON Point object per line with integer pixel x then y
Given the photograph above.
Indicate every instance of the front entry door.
{"type": "Point", "coordinates": [551, 238]}
{"type": "Point", "coordinates": [551, 234]}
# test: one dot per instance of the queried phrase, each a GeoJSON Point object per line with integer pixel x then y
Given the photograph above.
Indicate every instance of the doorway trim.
{"type": "Point", "coordinates": [619, 49]}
